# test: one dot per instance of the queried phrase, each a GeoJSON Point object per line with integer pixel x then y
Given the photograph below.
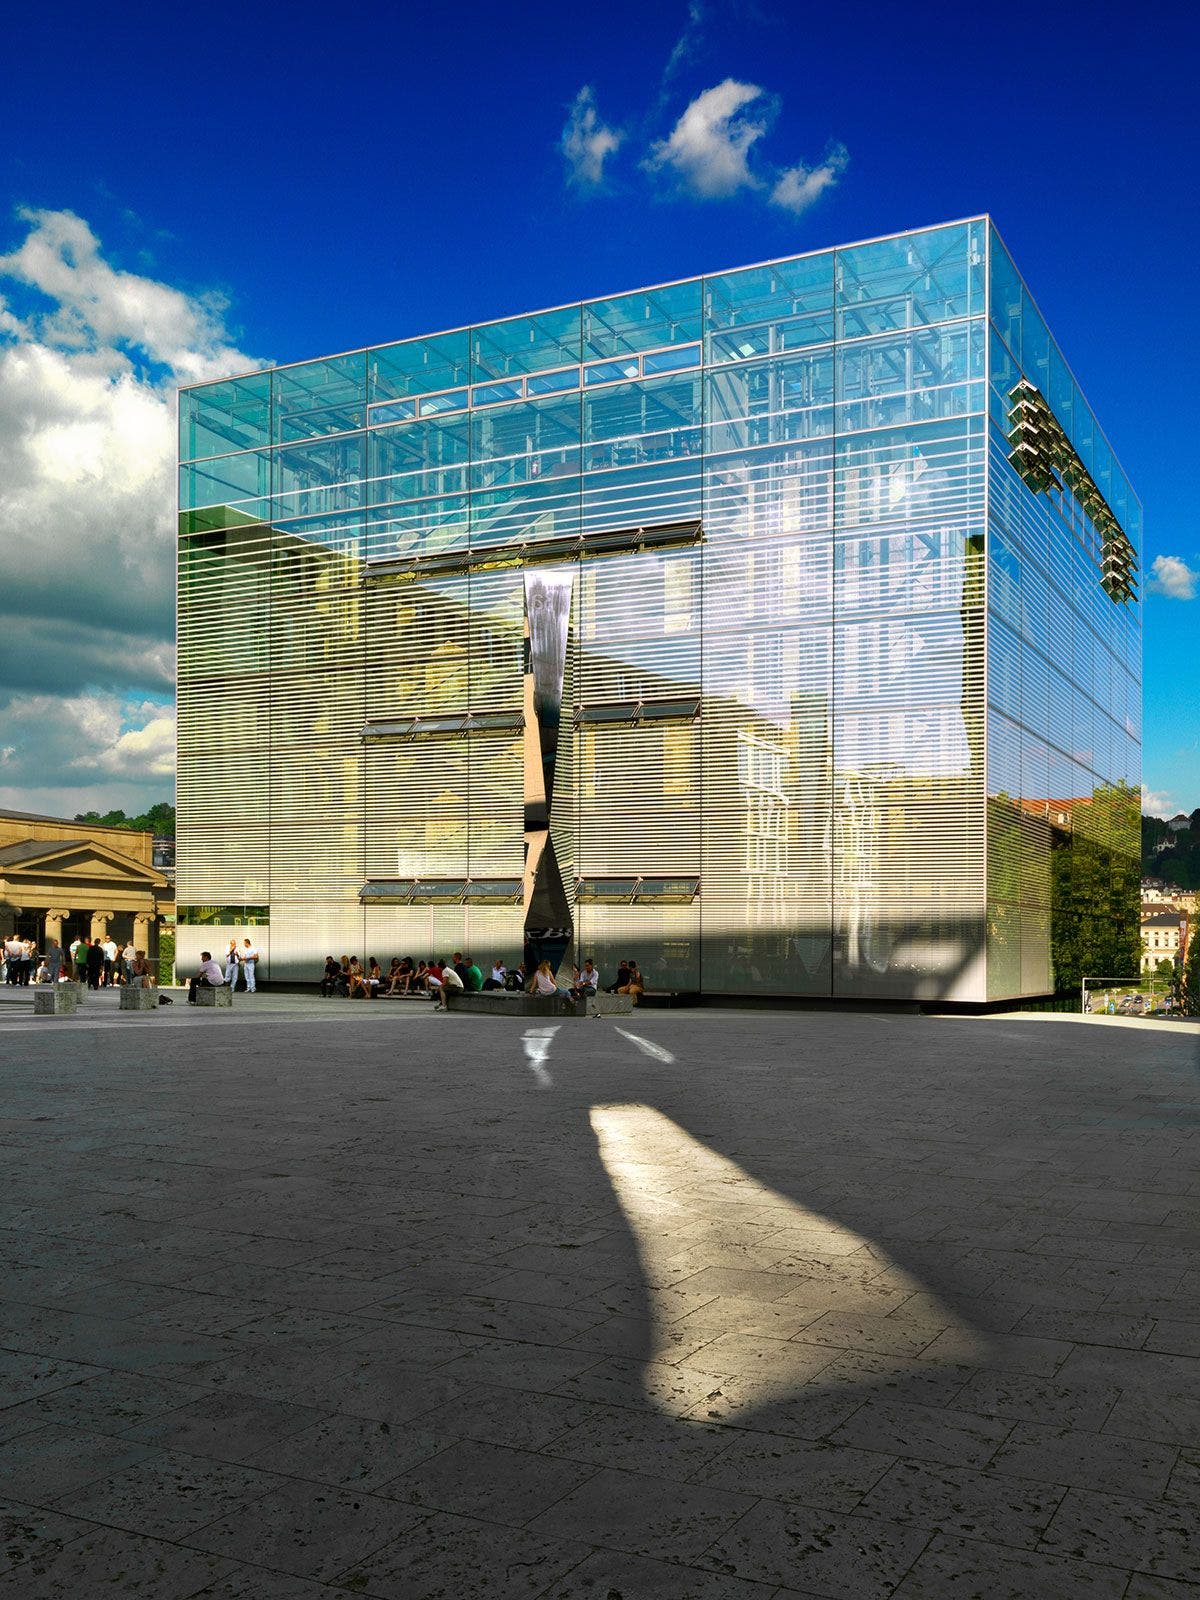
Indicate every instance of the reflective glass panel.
{"type": "Point", "coordinates": [220, 417]}
{"type": "Point", "coordinates": [320, 397]}
{"type": "Point", "coordinates": [416, 366]}
{"type": "Point", "coordinates": [434, 405]}
{"type": "Point", "coordinates": [762, 310]}
{"type": "Point", "coordinates": [642, 321]}
{"type": "Point", "coordinates": [902, 282]}
{"type": "Point", "coordinates": [525, 344]}
{"type": "Point", "coordinates": [552, 382]}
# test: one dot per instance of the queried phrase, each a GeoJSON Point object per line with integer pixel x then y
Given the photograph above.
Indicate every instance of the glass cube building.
{"type": "Point", "coordinates": [777, 628]}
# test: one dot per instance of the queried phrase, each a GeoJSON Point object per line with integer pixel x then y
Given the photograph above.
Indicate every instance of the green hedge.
{"type": "Point", "coordinates": [166, 956]}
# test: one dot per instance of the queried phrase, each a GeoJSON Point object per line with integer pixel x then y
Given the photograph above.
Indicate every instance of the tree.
{"type": "Point", "coordinates": [159, 819]}
{"type": "Point", "coordinates": [1095, 905]}
{"type": "Point", "coordinates": [1191, 977]}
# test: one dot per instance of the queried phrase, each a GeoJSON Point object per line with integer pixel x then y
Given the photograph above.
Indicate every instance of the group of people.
{"type": "Point", "coordinates": [349, 979]}
{"type": "Point", "coordinates": [240, 961]}
{"type": "Point", "coordinates": [100, 963]}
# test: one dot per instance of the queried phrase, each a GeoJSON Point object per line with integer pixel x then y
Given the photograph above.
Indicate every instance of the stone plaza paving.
{"type": "Point", "coordinates": [313, 1298]}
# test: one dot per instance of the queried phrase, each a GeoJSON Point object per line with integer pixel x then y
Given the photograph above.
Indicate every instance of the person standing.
{"type": "Point", "coordinates": [54, 961]}
{"type": "Point", "coordinates": [95, 964]}
{"type": "Point", "coordinates": [128, 957]}
{"type": "Point", "coordinates": [231, 964]}
{"type": "Point", "coordinates": [249, 959]}
{"type": "Point", "coordinates": [109, 948]}
{"type": "Point", "coordinates": [81, 959]}
{"type": "Point", "coordinates": [73, 950]}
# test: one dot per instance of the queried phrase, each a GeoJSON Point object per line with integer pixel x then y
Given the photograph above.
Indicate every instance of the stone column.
{"type": "Point", "coordinates": [100, 921]}
{"type": "Point", "coordinates": [143, 922]}
{"type": "Point", "coordinates": [55, 918]}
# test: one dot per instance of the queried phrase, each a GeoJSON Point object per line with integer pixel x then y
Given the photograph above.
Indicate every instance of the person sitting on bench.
{"type": "Point", "coordinates": [210, 976]}
{"type": "Point", "coordinates": [587, 981]}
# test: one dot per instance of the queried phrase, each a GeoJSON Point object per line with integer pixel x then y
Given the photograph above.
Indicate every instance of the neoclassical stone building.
{"type": "Point", "coordinates": [63, 879]}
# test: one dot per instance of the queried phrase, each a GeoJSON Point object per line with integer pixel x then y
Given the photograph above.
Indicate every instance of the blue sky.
{"type": "Point", "coordinates": [248, 184]}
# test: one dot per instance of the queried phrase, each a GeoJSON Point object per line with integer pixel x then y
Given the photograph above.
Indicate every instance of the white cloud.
{"type": "Point", "coordinates": [1173, 577]}
{"type": "Point", "coordinates": [1157, 803]}
{"type": "Point", "coordinates": [89, 359]}
{"type": "Point", "coordinates": [796, 188]}
{"type": "Point", "coordinates": [587, 142]}
{"type": "Point", "coordinates": [96, 306]}
{"type": "Point", "coordinates": [708, 149]}
{"type": "Point", "coordinates": [74, 737]}
{"type": "Point", "coordinates": [688, 42]}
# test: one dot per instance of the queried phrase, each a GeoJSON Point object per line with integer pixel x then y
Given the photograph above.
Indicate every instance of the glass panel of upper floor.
{"type": "Point", "coordinates": [219, 417]}
{"type": "Point", "coordinates": [319, 397]}
{"type": "Point", "coordinates": [911, 279]}
{"type": "Point", "coordinates": [418, 366]}
{"type": "Point", "coordinates": [525, 344]}
{"type": "Point", "coordinates": [645, 320]}
{"type": "Point", "coordinates": [768, 310]}
{"type": "Point", "coordinates": [1026, 347]}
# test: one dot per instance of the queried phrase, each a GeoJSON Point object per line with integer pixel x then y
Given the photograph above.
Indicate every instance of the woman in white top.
{"type": "Point", "coordinates": [231, 964]}
{"type": "Point", "coordinates": [542, 983]}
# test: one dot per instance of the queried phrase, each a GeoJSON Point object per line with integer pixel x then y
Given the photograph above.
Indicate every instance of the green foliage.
{"type": "Point", "coordinates": [1165, 970]}
{"type": "Point", "coordinates": [1191, 977]}
{"type": "Point", "coordinates": [166, 955]}
{"type": "Point", "coordinates": [160, 819]}
{"type": "Point", "coordinates": [1095, 895]}
{"type": "Point", "coordinates": [1174, 857]}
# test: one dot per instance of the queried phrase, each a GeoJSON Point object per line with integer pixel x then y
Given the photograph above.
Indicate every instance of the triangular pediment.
{"type": "Point", "coordinates": [65, 860]}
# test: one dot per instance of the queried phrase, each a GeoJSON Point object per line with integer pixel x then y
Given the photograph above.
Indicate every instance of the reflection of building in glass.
{"type": "Point", "coordinates": [848, 570]}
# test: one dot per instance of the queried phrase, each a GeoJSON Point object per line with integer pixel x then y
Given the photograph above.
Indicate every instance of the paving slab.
{"type": "Point", "coordinates": [855, 1305]}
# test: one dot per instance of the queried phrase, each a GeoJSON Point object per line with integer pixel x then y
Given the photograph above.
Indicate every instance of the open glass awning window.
{"type": "Point", "coordinates": [493, 891]}
{"type": "Point", "coordinates": [681, 709]}
{"type": "Point", "coordinates": [441, 891]}
{"type": "Point", "coordinates": [660, 891]}
{"type": "Point", "coordinates": [448, 727]}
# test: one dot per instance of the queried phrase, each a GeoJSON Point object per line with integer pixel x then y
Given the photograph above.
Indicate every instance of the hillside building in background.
{"type": "Point", "coordinates": [778, 628]}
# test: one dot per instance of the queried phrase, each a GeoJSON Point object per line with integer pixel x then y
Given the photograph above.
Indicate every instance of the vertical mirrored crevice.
{"type": "Point", "coordinates": [549, 919]}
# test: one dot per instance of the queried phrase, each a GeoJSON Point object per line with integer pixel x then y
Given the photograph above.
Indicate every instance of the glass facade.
{"type": "Point", "coordinates": [841, 706]}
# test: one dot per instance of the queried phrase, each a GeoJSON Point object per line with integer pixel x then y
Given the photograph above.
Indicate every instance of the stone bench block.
{"type": "Point", "coordinates": [55, 1000]}
{"type": "Point", "coordinates": [141, 999]}
{"type": "Point", "coordinates": [221, 997]}
{"type": "Point", "coordinates": [501, 1003]}
{"type": "Point", "coordinates": [608, 1005]}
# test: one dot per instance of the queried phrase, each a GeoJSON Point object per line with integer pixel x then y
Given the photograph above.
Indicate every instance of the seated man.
{"type": "Point", "coordinates": [330, 978]}
{"type": "Point", "coordinates": [587, 981]}
{"type": "Point", "coordinates": [208, 977]}
{"type": "Point", "coordinates": [473, 977]}
{"type": "Point", "coordinates": [449, 980]}
{"type": "Point", "coordinates": [499, 973]}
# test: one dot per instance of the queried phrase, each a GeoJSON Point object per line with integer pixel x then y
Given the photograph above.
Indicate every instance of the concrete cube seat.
{"type": "Point", "coordinates": [222, 996]}
{"type": "Point", "coordinates": [502, 1003]}
{"type": "Point", "coordinates": [141, 999]}
{"type": "Point", "coordinates": [55, 1000]}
